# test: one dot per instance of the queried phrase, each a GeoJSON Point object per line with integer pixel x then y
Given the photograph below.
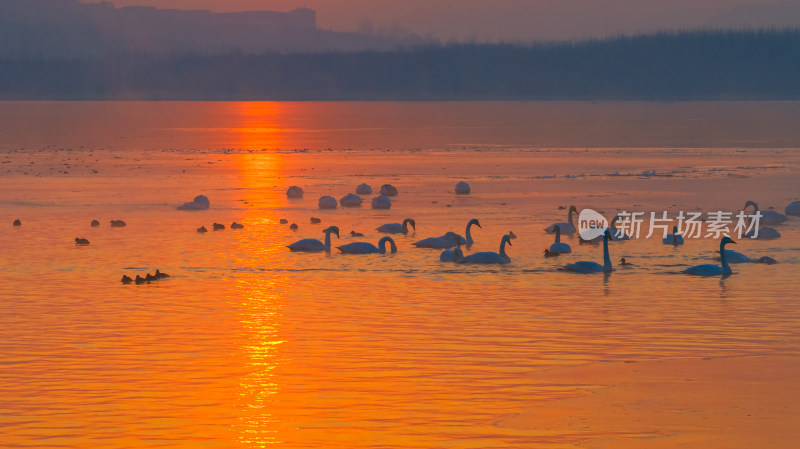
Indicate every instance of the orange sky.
{"type": "Point", "coordinates": [518, 19]}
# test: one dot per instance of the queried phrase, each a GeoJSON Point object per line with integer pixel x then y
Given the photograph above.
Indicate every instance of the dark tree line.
{"type": "Point", "coordinates": [668, 66]}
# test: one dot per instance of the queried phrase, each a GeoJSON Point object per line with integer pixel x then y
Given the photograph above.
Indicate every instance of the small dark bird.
{"type": "Point", "coordinates": [561, 207]}
{"type": "Point", "coordinates": [547, 253]}
{"type": "Point", "coordinates": [139, 280]}
{"type": "Point", "coordinates": [202, 229]}
{"type": "Point", "coordinates": [117, 224]}
{"type": "Point", "coordinates": [218, 227]}
{"type": "Point", "coordinates": [80, 241]}
{"type": "Point", "coordinates": [356, 234]}
{"type": "Point", "coordinates": [293, 226]}
{"type": "Point", "coordinates": [126, 279]}
{"type": "Point", "coordinates": [235, 225]}
{"type": "Point", "coordinates": [160, 275]}
{"type": "Point", "coordinates": [95, 223]}
{"type": "Point", "coordinates": [17, 222]}
{"type": "Point", "coordinates": [315, 220]}
{"type": "Point", "coordinates": [284, 221]}
{"type": "Point", "coordinates": [512, 235]}
{"type": "Point", "coordinates": [149, 277]}
{"type": "Point", "coordinates": [625, 264]}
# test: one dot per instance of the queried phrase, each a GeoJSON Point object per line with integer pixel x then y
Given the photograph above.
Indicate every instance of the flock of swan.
{"type": "Point", "coordinates": [452, 242]}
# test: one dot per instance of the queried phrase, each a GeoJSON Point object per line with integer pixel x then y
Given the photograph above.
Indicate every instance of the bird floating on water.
{"type": "Point", "coordinates": [713, 269]}
{"type": "Point", "coordinates": [81, 241]}
{"type": "Point", "coordinates": [314, 245]}
{"type": "Point", "coordinates": [398, 228]}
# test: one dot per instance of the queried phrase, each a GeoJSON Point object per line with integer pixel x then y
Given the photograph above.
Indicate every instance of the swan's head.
{"type": "Point", "coordinates": [332, 229]}
{"type": "Point", "coordinates": [556, 229]}
{"type": "Point", "coordinates": [475, 222]}
{"type": "Point", "coordinates": [751, 203]}
{"type": "Point", "coordinates": [512, 235]}
{"type": "Point", "coordinates": [411, 222]}
{"type": "Point", "coordinates": [573, 209]}
{"type": "Point", "coordinates": [507, 239]}
{"type": "Point", "coordinates": [726, 240]}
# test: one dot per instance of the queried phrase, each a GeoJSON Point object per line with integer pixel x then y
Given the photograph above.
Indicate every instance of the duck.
{"type": "Point", "coordinates": [588, 267]}
{"type": "Point", "coordinates": [118, 224]}
{"type": "Point", "coordinates": [768, 217]}
{"type": "Point", "coordinates": [315, 220]}
{"type": "Point", "coordinates": [356, 234]}
{"type": "Point", "coordinates": [397, 228]}
{"type": "Point", "coordinates": [558, 247]}
{"type": "Point", "coordinates": [713, 269]}
{"type": "Point", "coordinates": [488, 257]}
{"type": "Point", "coordinates": [547, 253]}
{"type": "Point", "coordinates": [314, 245]}
{"type": "Point", "coordinates": [624, 263]}
{"type": "Point", "coordinates": [160, 275]}
{"type": "Point", "coordinates": [218, 226]}
{"type": "Point", "coordinates": [17, 222]}
{"type": "Point", "coordinates": [566, 228]}
{"type": "Point", "coordinates": [368, 248]}
{"type": "Point", "coordinates": [81, 241]}
{"type": "Point", "coordinates": [673, 239]}
{"type": "Point", "coordinates": [202, 229]}
{"type": "Point", "coordinates": [95, 223]}
{"type": "Point", "coordinates": [294, 227]}
{"type": "Point", "coordinates": [139, 280]}
{"type": "Point", "coordinates": [149, 278]}
{"type": "Point", "coordinates": [126, 279]}
{"type": "Point", "coordinates": [283, 221]}
{"type": "Point", "coordinates": [235, 225]}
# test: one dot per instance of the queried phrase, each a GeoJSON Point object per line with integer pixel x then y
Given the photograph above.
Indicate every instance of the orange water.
{"type": "Point", "coordinates": [249, 345]}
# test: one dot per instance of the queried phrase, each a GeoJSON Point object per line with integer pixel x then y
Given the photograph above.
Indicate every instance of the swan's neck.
{"type": "Point", "coordinates": [571, 223]}
{"type": "Point", "coordinates": [328, 241]}
{"type": "Point", "coordinates": [405, 227]}
{"type": "Point", "coordinates": [558, 235]}
{"type": "Point", "coordinates": [468, 233]}
{"type": "Point", "coordinates": [613, 224]}
{"type": "Point", "coordinates": [606, 257]}
{"type": "Point", "coordinates": [726, 269]}
{"type": "Point", "coordinates": [382, 245]}
{"type": "Point", "coordinates": [503, 248]}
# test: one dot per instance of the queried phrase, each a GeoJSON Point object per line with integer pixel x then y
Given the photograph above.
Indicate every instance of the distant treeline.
{"type": "Point", "coordinates": [668, 66]}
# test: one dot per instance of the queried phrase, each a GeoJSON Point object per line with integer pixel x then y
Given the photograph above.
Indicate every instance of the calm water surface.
{"type": "Point", "coordinates": [248, 345]}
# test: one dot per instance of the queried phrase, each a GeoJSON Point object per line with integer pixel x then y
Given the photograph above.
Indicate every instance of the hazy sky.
{"type": "Point", "coordinates": [519, 19]}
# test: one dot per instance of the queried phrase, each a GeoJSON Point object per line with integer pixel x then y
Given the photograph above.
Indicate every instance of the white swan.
{"type": "Point", "coordinates": [768, 217]}
{"type": "Point", "coordinates": [793, 209]}
{"type": "Point", "coordinates": [566, 228]}
{"type": "Point", "coordinates": [557, 247]}
{"type": "Point", "coordinates": [351, 200]}
{"type": "Point", "coordinates": [674, 239]}
{"type": "Point", "coordinates": [381, 202]}
{"type": "Point", "coordinates": [451, 255]}
{"type": "Point", "coordinates": [314, 245]}
{"type": "Point", "coordinates": [368, 248]}
{"type": "Point", "coordinates": [448, 240]}
{"type": "Point", "coordinates": [398, 228]}
{"type": "Point", "coordinates": [327, 202]}
{"type": "Point", "coordinates": [764, 234]}
{"type": "Point", "coordinates": [467, 241]}
{"type": "Point", "coordinates": [585, 267]}
{"type": "Point", "coordinates": [462, 188]}
{"type": "Point", "coordinates": [364, 189]}
{"type": "Point", "coordinates": [713, 269]}
{"type": "Point", "coordinates": [616, 234]}
{"type": "Point", "coordinates": [488, 257]}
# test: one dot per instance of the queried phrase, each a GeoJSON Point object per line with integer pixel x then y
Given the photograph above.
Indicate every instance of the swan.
{"type": "Point", "coordinates": [388, 190]}
{"type": "Point", "coordinates": [624, 263]}
{"type": "Point", "coordinates": [462, 188]}
{"type": "Point", "coordinates": [768, 217]}
{"type": "Point", "coordinates": [451, 255]}
{"type": "Point", "coordinates": [314, 245]}
{"type": "Point", "coordinates": [364, 189]}
{"type": "Point", "coordinates": [200, 202]}
{"type": "Point", "coordinates": [398, 228]}
{"type": "Point", "coordinates": [448, 240]}
{"type": "Point", "coordinates": [793, 209]}
{"type": "Point", "coordinates": [294, 192]}
{"type": "Point", "coordinates": [368, 248]}
{"type": "Point", "coordinates": [764, 234]}
{"type": "Point", "coordinates": [616, 234]}
{"type": "Point", "coordinates": [713, 269]}
{"type": "Point", "coordinates": [468, 240]}
{"type": "Point", "coordinates": [327, 202]}
{"type": "Point", "coordinates": [674, 239]}
{"type": "Point", "coordinates": [488, 257]}
{"type": "Point", "coordinates": [585, 267]}
{"type": "Point", "coordinates": [559, 247]}
{"type": "Point", "coordinates": [381, 202]}
{"type": "Point", "coordinates": [351, 200]}
{"type": "Point", "coordinates": [735, 257]}
{"type": "Point", "coordinates": [566, 228]}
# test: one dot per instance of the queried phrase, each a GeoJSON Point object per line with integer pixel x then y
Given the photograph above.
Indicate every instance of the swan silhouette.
{"type": "Point", "coordinates": [398, 228]}
{"type": "Point", "coordinates": [557, 247]}
{"type": "Point", "coordinates": [314, 245]}
{"type": "Point", "coordinates": [713, 269]}
{"type": "Point", "coordinates": [368, 248]}
{"type": "Point", "coordinates": [451, 255]}
{"type": "Point", "coordinates": [768, 217]}
{"type": "Point", "coordinates": [616, 234]}
{"type": "Point", "coordinates": [793, 209]}
{"type": "Point", "coordinates": [566, 228]}
{"type": "Point", "coordinates": [467, 241]}
{"type": "Point", "coordinates": [488, 257]}
{"type": "Point", "coordinates": [736, 257]}
{"type": "Point", "coordinates": [764, 234]}
{"type": "Point", "coordinates": [674, 239]}
{"type": "Point", "coordinates": [585, 267]}
{"type": "Point", "coordinates": [450, 239]}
